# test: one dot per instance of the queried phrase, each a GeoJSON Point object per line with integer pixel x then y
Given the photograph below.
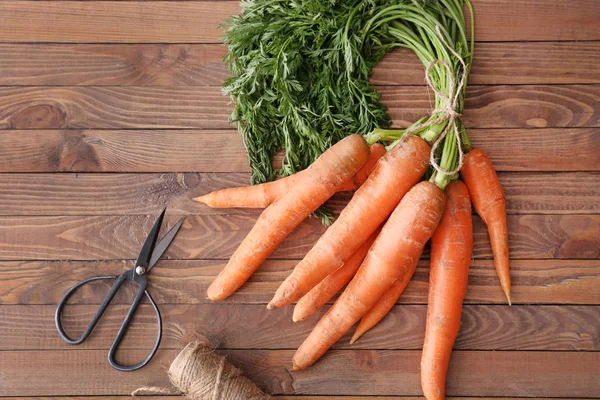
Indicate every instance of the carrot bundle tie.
{"type": "Point", "coordinates": [445, 114]}
{"type": "Point", "coordinates": [451, 104]}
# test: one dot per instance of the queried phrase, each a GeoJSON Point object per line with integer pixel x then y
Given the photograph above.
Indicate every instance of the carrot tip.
{"type": "Point", "coordinates": [356, 336]}
{"type": "Point", "coordinates": [200, 199]}
{"type": "Point", "coordinates": [269, 306]}
{"type": "Point", "coordinates": [506, 291]}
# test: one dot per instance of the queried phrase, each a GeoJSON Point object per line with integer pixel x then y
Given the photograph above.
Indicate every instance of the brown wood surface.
{"type": "Point", "coordinates": [125, 194]}
{"type": "Point", "coordinates": [215, 236]}
{"type": "Point", "coordinates": [111, 110]}
{"type": "Point", "coordinates": [278, 397]}
{"type": "Point", "coordinates": [549, 149]}
{"type": "Point", "coordinates": [373, 372]}
{"type": "Point", "coordinates": [147, 107]}
{"type": "Point", "coordinates": [186, 281]}
{"type": "Point", "coordinates": [200, 64]}
{"type": "Point", "coordinates": [199, 21]}
{"type": "Point", "coordinates": [483, 327]}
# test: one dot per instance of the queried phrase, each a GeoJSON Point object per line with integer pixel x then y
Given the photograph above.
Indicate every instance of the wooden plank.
{"type": "Point", "coordinates": [504, 63]}
{"type": "Point", "coordinates": [129, 151]}
{"type": "Point", "coordinates": [483, 327]}
{"type": "Point", "coordinates": [200, 64]}
{"type": "Point", "coordinates": [127, 194]}
{"type": "Point", "coordinates": [112, 107]}
{"type": "Point", "coordinates": [504, 106]}
{"type": "Point", "coordinates": [341, 372]}
{"type": "Point", "coordinates": [114, 21]}
{"type": "Point", "coordinates": [76, 107]}
{"type": "Point", "coordinates": [185, 282]}
{"type": "Point", "coordinates": [216, 237]}
{"type": "Point", "coordinates": [122, 64]}
{"type": "Point", "coordinates": [542, 149]}
{"type": "Point", "coordinates": [223, 151]}
{"type": "Point", "coordinates": [198, 21]}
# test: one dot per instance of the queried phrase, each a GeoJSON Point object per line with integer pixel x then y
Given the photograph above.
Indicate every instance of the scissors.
{"type": "Point", "coordinates": [149, 255]}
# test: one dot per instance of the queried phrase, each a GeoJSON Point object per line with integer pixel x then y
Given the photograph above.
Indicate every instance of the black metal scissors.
{"type": "Point", "coordinates": [149, 255]}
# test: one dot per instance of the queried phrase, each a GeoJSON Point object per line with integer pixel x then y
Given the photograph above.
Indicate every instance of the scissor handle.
{"type": "Point", "coordinates": [120, 279]}
{"type": "Point", "coordinates": [115, 346]}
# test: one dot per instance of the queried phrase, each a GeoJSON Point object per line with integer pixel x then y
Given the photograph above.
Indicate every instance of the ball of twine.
{"type": "Point", "coordinates": [201, 374]}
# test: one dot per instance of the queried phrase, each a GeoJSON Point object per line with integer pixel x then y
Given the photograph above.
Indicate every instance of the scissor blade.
{"type": "Point", "coordinates": [164, 243]}
{"type": "Point", "coordinates": [148, 247]}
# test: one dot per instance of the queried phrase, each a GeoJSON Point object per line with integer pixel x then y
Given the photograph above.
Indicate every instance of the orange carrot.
{"type": "Point", "coordinates": [400, 242]}
{"type": "Point", "coordinates": [386, 302]}
{"type": "Point", "coordinates": [488, 199]}
{"type": "Point", "coordinates": [376, 152]}
{"type": "Point", "coordinates": [451, 248]}
{"type": "Point", "coordinates": [394, 175]}
{"type": "Point", "coordinates": [332, 168]}
{"type": "Point", "coordinates": [333, 283]}
{"type": "Point", "coordinates": [261, 196]}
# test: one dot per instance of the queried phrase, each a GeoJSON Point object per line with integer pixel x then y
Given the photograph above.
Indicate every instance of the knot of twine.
{"type": "Point", "coordinates": [448, 111]}
{"type": "Point", "coordinates": [201, 374]}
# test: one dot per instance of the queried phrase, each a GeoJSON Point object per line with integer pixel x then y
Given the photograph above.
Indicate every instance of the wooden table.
{"type": "Point", "coordinates": [111, 110]}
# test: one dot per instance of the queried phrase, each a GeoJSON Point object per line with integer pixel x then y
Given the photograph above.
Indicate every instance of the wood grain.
{"type": "Point", "coordinates": [118, 64]}
{"type": "Point", "coordinates": [76, 107]}
{"type": "Point", "coordinates": [216, 236]}
{"type": "Point", "coordinates": [223, 151]}
{"type": "Point", "coordinates": [372, 372]}
{"type": "Point", "coordinates": [112, 107]}
{"type": "Point", "coordinates": [185, 282]}
{"type": "Point", "coordinates": [127, 194]}
{"type": "Point", "coordinates": [504, 106]}
{"type": "Point", "coordinates": [114, 21]}
{"type": "Point", "coordinates": [126, 151]}
{"type": "Point", "coordinates": [504, 63]}
{"type": "Point", "coordinates": [483, 327]}
{"type": "Point", "coordinates": [200, 64]}
{"type": "Point", "coordinates": [198, 21]}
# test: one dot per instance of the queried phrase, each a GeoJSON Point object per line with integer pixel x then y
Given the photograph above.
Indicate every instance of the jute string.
{"type": "Point", "coordinates": [448, 111]}
{"type": "Point", "coordinates": [201, 374]}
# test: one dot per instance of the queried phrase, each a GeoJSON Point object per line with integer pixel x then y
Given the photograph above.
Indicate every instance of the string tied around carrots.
{"type": "Point", "coordinates": [448, 112]}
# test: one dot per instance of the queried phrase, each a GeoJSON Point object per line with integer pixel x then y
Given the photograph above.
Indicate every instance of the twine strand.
{"type": "Point", "coordinates": [448, 111]}
{"type": "Point", "coordinates": [201, 374]}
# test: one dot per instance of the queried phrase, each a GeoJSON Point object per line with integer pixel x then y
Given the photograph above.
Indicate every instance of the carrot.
{"type": "Point", "coordinates": [386, 302]}
{"type": "Point", "coordinates": [451, 248]}
{"type": "Point", "coordinates": [332, 168]}
{"type": "Point", "coordinates": [488, 199]}
{"type": "Point", "coordinates": [333, 283]}
{"type": "Point", "coordinates": [400, 242]}
{"type": "Point", "coordinates": [261, 196]}
{"type": "Point", "coordinates": [376, 152]}
{"type": "Point", "coordinates": [394, 175]}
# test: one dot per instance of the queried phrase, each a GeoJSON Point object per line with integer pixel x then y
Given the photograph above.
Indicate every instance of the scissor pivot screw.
{"type": "Point", "coordinates": [140, 270]}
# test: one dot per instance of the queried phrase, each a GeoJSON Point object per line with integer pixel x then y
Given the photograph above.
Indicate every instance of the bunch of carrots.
{"type": "Point", "coordinates": [373, 247]}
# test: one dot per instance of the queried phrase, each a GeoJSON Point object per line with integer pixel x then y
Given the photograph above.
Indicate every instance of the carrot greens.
{"type": "Point", "coordinates": [301, 73]}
